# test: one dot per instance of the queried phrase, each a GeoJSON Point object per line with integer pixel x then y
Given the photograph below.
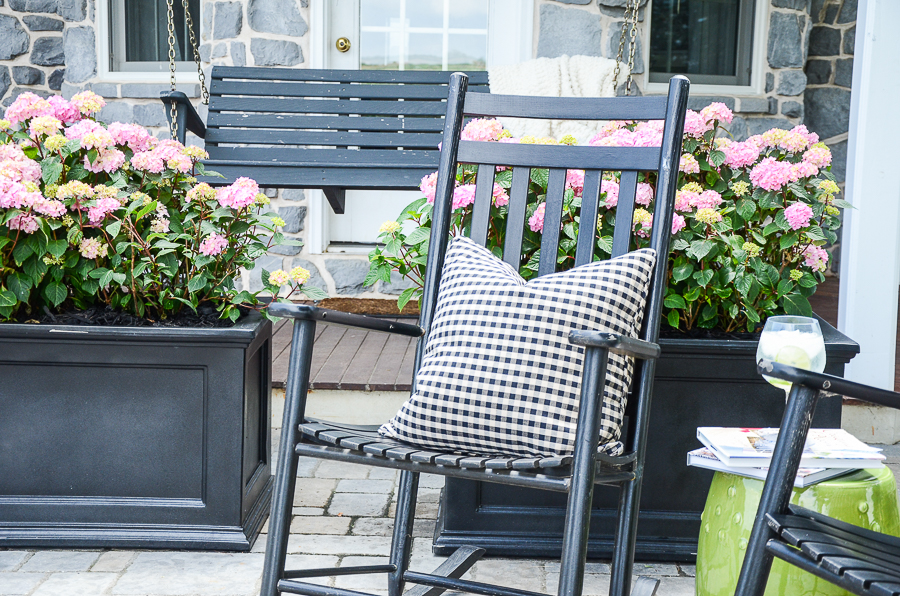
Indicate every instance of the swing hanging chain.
{"type": "Point", "coordinates": [629, 19]}
{"type": "Point", "coordinates": [634, 20]}
{"type": "Point", "coordinates": [173, 110]}
{"type": "Point", "coordinates": [190, 25]}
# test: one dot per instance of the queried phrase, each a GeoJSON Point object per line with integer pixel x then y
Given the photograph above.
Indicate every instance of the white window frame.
{"type": "Point", "coordinates": [510, 43]}
{"type": "Point", "coordinates": [105, 73]}
{"type": "Point", "coordinates": [757, 62]}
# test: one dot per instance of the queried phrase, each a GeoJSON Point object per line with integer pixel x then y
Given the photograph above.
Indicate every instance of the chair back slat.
{"type": "Point", "coordinates": [590, 202]}
{"type": "Point", "coordinates": [624, 213]}
{"type": "Point", "coordinates": [481, 211]}
{"type": "Point", "coordinates": [553, 206]}
{"type": "Point", "coordinates": [566, 108]}
{"type": "Point", "coordinates": [560, 156]}
{"type": "Point", "coordinates": [515, 221]}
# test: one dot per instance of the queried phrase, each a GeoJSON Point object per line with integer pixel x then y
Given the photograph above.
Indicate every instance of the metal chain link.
{"type": "Point", "coordinates": [170, 14]}
{"type": "Point", "coordinates": [634, 19]}
{"type": "Point", "coordinates": [630, 18]}
{"type": "Point", "coordinates": [190, 25]}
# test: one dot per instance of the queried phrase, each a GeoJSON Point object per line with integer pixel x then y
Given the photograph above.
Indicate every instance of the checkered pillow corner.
{"type": "Point", "coordinates": [499, 376]}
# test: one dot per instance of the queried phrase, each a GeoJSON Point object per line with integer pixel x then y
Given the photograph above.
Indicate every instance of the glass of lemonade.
{"type": "Point", "coordinates": [795, 341]}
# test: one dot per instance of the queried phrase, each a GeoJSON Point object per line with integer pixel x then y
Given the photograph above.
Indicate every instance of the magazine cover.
{"type": "Point", "coordinates": [706, 458]}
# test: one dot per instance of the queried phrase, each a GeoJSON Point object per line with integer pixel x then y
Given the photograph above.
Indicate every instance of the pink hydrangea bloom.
{"type": "Point", "coordinates": [708, 199]}
{"type": "Point", "coordinates": [28, 106]}
{"type": "Point", "coordinates": [109, 160]}
{"type": "Point", "coordinates": [501, 197]}
{"type": "Point", "coordinates": [91, 248]}
{"type": "Point", "coordinates": [770, 174]}
{"type": "Point", "coordinates": [25, 222]}
{"type": "Point", "coordinates": [50, 207]}
{"type": "Point", "coordinates": [64, 110]}
{"type": "Point", "coordinates": [536, 221]}
{"type": "Point", "coordinates": [793, 142]}
{"type": "Point", "coordinates": [482, 129]}
{"type": "Point", "coordinates": [463, 196]}
{"type": "Point", "coordinates": [81, 128]}
{"type": "Point", "coordinates": [166, 154]}
{"type": "Point", "coordinates": [16, 166]}
{"type": "Point", "coordinates": [815, 257]}
{"type": "Point", "coordinates": [88, 102]}
{"type": "Point", "coordinates": [695, 125]}
{"type": "Point", "coordinates": [99, 138]}
{"type": "Point", "coordinates": [427, 186]}
{"type": "Point", "coordinates": [102, 208]}
{"type": "Point", "coordinates": [798, 215]}
{"type": "Point", "coordinates": [12, 194]}
{"type": "Point", "coordinates": [684, 200]}
{"type": "Point", "coordinates": [689, 164]}
{"type": "Point", "coordinates": [134, 136]}
{"type": "Point", "coordinates": [148, 161]}
{"type": "Point", "coordinates": [642, 222]}
{"type": "Point", "coordinates": [644, 195]}
{"type": "Point", "coordinates": [44, 126]}
{"type": "Point", "coordinates": [740, 155]}
{"type": "Point", "coordinates": [575, 181]}
{"type": "Point", "coordinates": [717, 111]}
{"type": "Point", "coordinates": [213, 245]}
{"type": "Point", "coordinates": [622, 137]}
{"type": "Point", "coordinates": [611, 188]}
{"type": "Point", "coordinates": [818, 155]}
{"type": "Point", "coordinates": [803, 169]}
{"type": "Point", "coordinates": [811, 137]}
{"type": "Point", "coordinates": [678, 223]}
{"type": "Point", "coordinates": [239, 195]}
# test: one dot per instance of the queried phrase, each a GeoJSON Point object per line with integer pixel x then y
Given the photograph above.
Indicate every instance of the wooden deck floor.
{"type": "Point", "coordinates": [357, 360]}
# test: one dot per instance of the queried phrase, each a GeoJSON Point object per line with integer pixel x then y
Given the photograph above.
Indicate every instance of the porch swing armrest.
{"type": "Point", "coordinates": [193, 122]}
{"type": "Point", "coordinates": [620, 344]}
{"type": "Point", "coordinates": [306, 312]}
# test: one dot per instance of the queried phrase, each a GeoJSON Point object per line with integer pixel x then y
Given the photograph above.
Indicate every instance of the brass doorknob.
{"type": "Point", "coordinates": [342, 44]}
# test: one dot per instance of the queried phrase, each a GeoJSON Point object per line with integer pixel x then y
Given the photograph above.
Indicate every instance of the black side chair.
{"type": "Point", "coordinates": [858, 560]}
{"type": "Point", "coordinates": [573, 475]}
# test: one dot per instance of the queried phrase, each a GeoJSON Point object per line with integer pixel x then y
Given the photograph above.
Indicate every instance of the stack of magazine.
{"type": "Point", "coordinates": [828, 452]}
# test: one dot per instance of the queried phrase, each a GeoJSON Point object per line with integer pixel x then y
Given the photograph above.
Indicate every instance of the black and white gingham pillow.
{"type": "Point", "coordinates": [499, 376]}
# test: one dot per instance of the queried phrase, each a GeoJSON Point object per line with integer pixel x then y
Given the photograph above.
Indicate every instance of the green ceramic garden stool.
{"type": "Point", "coordinates": [864, 498]}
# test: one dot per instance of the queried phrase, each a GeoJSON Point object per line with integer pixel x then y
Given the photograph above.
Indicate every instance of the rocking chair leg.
{"type": "Point", "coordinates": [286, 472]}
{"type": "Point", "coordinates": [581, 492]}
{"type": "Point", "coordinates": [626, 536]}
{"type": "Point", "coordinates": [401, 543]}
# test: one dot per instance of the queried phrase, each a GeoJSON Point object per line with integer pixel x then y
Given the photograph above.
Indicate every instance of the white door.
{"type": "Point", "coordinates": [409, 35]}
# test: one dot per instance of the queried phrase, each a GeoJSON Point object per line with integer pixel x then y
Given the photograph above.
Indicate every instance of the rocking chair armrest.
{"type": "Point", "coordinates": [305, 312]}
{"type": "Point", "coordinates": [829, 383]}
{"type": "Point", "coordinates": [620, 344]}
{"type": "Point", "coordinates": [193, 122]}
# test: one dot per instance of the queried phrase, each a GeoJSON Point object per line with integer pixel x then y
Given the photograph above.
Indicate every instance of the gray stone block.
{"type": "Point", "coordinates": [848, 12]}
{"type": "Point", "coordinates": [824, 41]}
{"type": "Point", "coordinates": [569, 31]}
{"type": "Point", "coordinates": [757, 126]}
{"type": "Point", "coordinates": [770, 82]}
{"type": "Point", "coordinates": [619, 13]}
{"type": "Point", "coordinates": [791, 82]}
{"type": "Point", "coordinates": [839, 160]}
{"type": "Point", "coordinates": [205, 50]}
{"type": "Point", "coordinates": [795, 4]}
{"type": "Point", "coordinates": [270, 192]}
{"type": "Point", "coordinates": [849, 42]}
{"type": "Point", "coordinates": [348, 275]}
{"type": "Point", "coordinates": [315, 278]}
{"type": "Point", "coordinates": [189, 573]}
{"type": "Point", "coordinates": [358, 504]}
{"type": "Point", "coordinates": [72, 10]}
{"type": "Point", "coordinates": [14, 40]}
{"type": "Point", "coordinates": [275, 52]}
{"type": "Point", "coordinates": [117, 111]}
{"type": "Point", "coordinates": [817, 10]}
{"type": "Point", "coordinates": [773, 105]}
{"type": "Point", "coordinates": [284, 249]}
{"type": "Point", "coordinates": [786, 40]}
{"type": "Point", "coordinates": [269, 263]}
{"type": "Point", "coordinates": [68, 90]}
{"type": "Point", "coordinates": [55, 80]}
{"type": "Point", "coordinates": [738, 128]}
{"type": "Point", "coordinates": [48, 51]}
{"type": "Point", "coordinates": [206, 26]}
{"type": "Point", "coordinates": [754, 105]}
{"type": "Point", "coordinates": [276, 16]}
{"type": "Point", "coordinates": [843, 72]}
{"type": "Point", "coordinates": [293, 194]}
{"type": "Point", "coordinates": [152, 114]}
{"type": "Point", "coordinates": [698, 102]}
{"type": "Point", "coordinates": [830, 14]}
{"type": "Point", "coordinates": [105, 89]}
{"type": "Point", "coordinates": [81, 54]}
{"type": "Point", "coordinates": [827, 110]}
{"type": "Point", "coordinates": [5, 80]}
{"type": "Point", "coordinates": [228, 20]}
{"type": "Point", "coordinates": [818, 72]}
{"type": "Point", "coordinates": [613, 36]}
{"type": "Point", "coordinates": [792, 109]}
{"type": "Point", "coordinates": [27, 75]}
{"type": "Point", "coordinates": [238, 53]}
{"type": "Point", "coordinates": [220, 50]}
{"type": "Point", "coordinates": [60, 560]}
{"type": "Point", "coordinates": [39, 23]}
{"type": "Point", "coordinates": [294, 218]}
{"type": "Point", "coordinates": [397, 284]}
{"type": "Point", "coordinates": [33, 5]}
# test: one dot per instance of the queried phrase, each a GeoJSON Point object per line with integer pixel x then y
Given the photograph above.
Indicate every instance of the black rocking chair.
{"type": "Point", "coordinates": [858, 560]}
{"type": "Point", "coordinates": [576, 474]}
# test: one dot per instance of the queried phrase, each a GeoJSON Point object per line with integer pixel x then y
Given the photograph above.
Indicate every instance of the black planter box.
{"type": "Point", "coordinates": [135, 437]}
{"type": "Point", "coordinates": [698, 383]}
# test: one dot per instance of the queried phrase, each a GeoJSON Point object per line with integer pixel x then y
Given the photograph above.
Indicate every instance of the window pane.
{"type": "Point", "coordinates": [468, 14]}
{"type": "Point", "coordinates": [146, 31]}
{"type": "Point", "coordinates": [424, 51]}
{"type": "Point", "coordinates": [467, 52]}
{"type": "Point", "coordinates": [700, 37]}
{"type": "Point", "coordinates": [425, 13]}
{"type": "Point", "coordinates": [379, 50]}
{"type": "Point", "coordinates": [378, 12]}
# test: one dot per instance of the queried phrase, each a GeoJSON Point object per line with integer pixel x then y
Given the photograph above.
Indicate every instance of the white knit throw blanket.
{"type": "Point", "coordinates": [575, 76]}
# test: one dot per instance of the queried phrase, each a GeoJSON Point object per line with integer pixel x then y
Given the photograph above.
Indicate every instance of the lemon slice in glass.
{"type": "Point", "coordinates": [793, 356]}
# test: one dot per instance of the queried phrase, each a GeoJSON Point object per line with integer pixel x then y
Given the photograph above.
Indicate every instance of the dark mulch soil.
{"type": "Point", "coordinates": [369, 306]}
{"type": "Point", "coordinates": [206, 316]}
{"type": "Point", "coordinates": [670, 333]}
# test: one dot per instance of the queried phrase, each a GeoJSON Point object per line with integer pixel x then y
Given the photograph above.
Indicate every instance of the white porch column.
{"type": "Point", "coordinates": [870, 248]}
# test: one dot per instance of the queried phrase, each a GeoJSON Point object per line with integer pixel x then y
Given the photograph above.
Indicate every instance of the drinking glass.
{"type": "Point", "coordinates": [791, 340]}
